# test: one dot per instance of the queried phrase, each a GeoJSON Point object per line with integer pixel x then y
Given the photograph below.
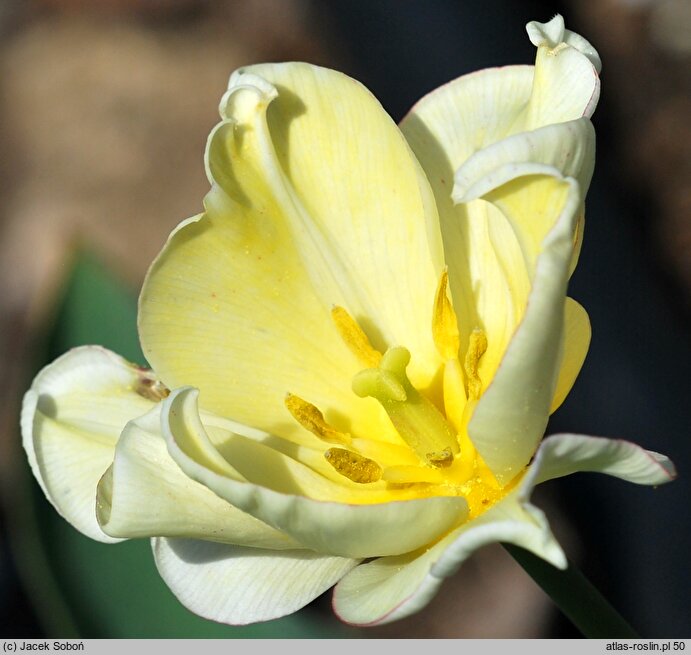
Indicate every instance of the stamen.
{"type": "Point", "coordinates": [354, 337]}
{"type": "Point", "coordinates": [444, 322]}
{"type": "Point", "coordinates": [411, 475]}
{"type": "Point", "coordinates": [353, 466]}
{"type": "Point", "coordinates": [310, 418]}
{"type": "Point", "coordinates": [476, 349]}
{"type": "Point", "coordinates": [416, 419]}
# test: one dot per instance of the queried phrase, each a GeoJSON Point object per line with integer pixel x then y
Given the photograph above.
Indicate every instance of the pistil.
{"type": "Point", "coordinates": [416, 419]}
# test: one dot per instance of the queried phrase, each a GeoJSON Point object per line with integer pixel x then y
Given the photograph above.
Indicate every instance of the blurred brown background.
{"type": "Point", "coordinates": [105, 107]}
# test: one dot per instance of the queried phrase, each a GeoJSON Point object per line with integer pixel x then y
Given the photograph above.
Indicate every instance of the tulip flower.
{"type": "Point", "coordinates": [354, 349]}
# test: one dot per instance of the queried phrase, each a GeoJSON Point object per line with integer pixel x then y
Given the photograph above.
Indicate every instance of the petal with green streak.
{"type": "Point", "coordinates": [576, 343]}
{"type": "Point", "coordinates": [289, 496]}
{"type": "Point", "coordinates": [237, 585]}
{"type": "Point", "coordinates": [71, 419]}
{"type": "Point", "coordinates": [512, 413]}
{"type": "Point", "coordinates": [391, 588]}
{"type": "Point", "coordinates": [175, 506]}
{"type": "Point", "coordinates": [564, 454]}
{"type": "Point", "coordinates": [316, 201]}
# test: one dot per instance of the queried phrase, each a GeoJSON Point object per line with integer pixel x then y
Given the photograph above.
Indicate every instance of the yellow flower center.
{"type": "Point", "coordinates": [440, 458]}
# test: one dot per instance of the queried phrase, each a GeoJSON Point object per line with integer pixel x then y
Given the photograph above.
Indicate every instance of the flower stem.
{"type": "Point", "coordinates": [575, 596]}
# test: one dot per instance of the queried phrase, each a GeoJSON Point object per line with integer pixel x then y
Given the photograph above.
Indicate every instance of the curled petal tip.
{"type": "Point", "coordinates": [554, 35]}
{"type": "Point", "coordinates": [550, 33]}
{"type": "Point", "coordinates": [246, 94]}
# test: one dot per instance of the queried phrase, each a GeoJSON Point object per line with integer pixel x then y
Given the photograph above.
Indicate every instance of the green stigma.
{"type": "Point", "coordinates": [417, 420]}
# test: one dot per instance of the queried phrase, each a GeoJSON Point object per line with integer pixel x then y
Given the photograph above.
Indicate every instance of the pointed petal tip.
{"type": "Point", "coordinates": [563, 454]}
{"type": "Point", "coordinates": [665, 463]}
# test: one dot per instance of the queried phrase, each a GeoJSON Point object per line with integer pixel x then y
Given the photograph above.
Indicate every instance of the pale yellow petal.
{"type": "Point", "coordinates": [315, 202]}
{"type": "Point", "coordinates": [517, 175]}
{"type": "Point", "coordinates": [554, 32]}
{"type": "Point", "coordinates": [206, 320]}
{"type": "Point", "coordinates": [567, 147]}
{"type": "Point", "coordinates": [359, 196]}
{"type": "Point", "coordinates": [567, 83]}
{"type": "Point", "coordinates": [576, 342]}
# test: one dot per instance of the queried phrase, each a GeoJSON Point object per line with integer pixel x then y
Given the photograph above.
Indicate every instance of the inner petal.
{"type": "Point", "coordinates": [313, 202]}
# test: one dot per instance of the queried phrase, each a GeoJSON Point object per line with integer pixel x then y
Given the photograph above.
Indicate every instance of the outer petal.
{"type": "Point", "coordinates": [239, 585]}
{"type": "Point", "coordinates": [316, 201]}
{"type": "Point", "coordinates": [511, 416]}
{"type": "Point", "coordinates": [391, 588]}
{"type": "Point", "coordinates": [564, 454]}
{"type": "Point", "coordinates": [338, 528]}
{"type": "Point", "coordinates": [175, 506]}
{"type": "Point", "coordinates": [71, 419]}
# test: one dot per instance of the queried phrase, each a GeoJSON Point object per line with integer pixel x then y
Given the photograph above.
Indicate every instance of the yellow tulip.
{"type": "Point", "coordinates": [355, 349]}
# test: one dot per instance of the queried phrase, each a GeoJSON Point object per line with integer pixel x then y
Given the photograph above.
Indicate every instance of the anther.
{"type": "Point", "coordinates": [477, 346]}
{"type": "Point", "coordinates": [355, 467]}
{"type": "Point", "coordinates": [310, 418]}
{"type": "Point", "coordinates": [354, 337]}
{"type": "Point", "coordinates": [444, 322]}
